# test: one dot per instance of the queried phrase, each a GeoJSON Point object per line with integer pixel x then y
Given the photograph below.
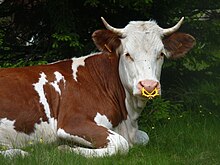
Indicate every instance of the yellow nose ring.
{"type": "Point", "coordinates": [149, 95]}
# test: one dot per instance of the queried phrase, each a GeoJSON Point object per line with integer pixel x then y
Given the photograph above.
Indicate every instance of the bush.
{"type": "Point", "coordinates": [159, 110]}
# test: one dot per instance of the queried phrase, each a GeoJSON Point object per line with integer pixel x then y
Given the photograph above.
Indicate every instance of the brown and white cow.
{"type": "Point", "coordinates": [94, 101]}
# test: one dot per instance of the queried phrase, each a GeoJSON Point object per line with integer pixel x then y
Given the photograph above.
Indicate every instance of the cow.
{"type": "Point", "coordinates": [93, 101]}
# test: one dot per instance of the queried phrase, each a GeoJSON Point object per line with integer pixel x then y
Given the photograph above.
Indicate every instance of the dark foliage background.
{"type": "Point", "coordinates": [40, 31]}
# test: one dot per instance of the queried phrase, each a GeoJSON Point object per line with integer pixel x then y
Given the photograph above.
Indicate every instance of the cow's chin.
{"type": "Point", "coordinates": [138, 95]}
{"type": "Point", "coordinates": [140, 100]}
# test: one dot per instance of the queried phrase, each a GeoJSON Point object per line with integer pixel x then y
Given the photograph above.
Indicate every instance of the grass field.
{"type": "Point", "coordinates": [191, 139]}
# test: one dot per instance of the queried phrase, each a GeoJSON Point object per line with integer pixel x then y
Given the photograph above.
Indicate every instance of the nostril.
{"type": "Point", "coordinates": [140, 84]}
{"type": "Point", "coordinates": [148, 85]}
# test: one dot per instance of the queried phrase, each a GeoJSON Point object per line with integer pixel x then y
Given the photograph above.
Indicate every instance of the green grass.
{"type": "Point", "coordinates": [189, 140]}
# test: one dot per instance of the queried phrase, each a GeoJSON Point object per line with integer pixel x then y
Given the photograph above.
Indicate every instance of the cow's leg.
{"type": "Point", "coordinates": [13, 152]}
{"type": "Point", "coordinates": [103, 142]}
{"type": "Point", "coordinates": [141, 137]}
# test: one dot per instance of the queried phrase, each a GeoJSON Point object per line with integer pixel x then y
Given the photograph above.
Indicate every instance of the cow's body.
{"type": "Point", "coordinates": [48, 100]}
{"type": "Point", "coordinates": [86, 100]}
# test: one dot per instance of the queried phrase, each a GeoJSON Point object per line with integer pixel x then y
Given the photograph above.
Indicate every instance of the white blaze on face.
{"type": "Point", "coordinates": [59, 77]}
{"type": "Point", "coordinates": [39, 88]}
{"type": "Point", "coordinates": [143, 46]}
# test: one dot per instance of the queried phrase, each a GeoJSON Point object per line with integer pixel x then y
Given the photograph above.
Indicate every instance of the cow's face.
{"type": "Point", "coordinates": [141, 58]}
{"type": "Point", "coordinates": [142, 47]}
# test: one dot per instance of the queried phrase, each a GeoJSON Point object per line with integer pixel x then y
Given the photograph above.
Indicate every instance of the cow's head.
{"type": "Point", "coordinates": [141, 46]}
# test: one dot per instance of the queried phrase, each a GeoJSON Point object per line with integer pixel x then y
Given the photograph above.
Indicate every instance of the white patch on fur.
{"type": "Point", "coordinates": [102, 120]}
{"type": "Point", "coordinates": [76, 63]}
{"type": "Point", "coordinates": [79, 62]}
{"type": "Point", "coordinates": [39, 88]}
{"type": "Point", "coordinates": [127, 130]}
{"type": "Point", "coordinates": [59, 77]}
{"type": "Point", "coordinates": [117, 144]}
{"type": "Point", "coordinates": [43, 132]}
{"type": "Point", "coordinates": [64, 135]}
{"type": "Point", "coordinates": [10, 153]}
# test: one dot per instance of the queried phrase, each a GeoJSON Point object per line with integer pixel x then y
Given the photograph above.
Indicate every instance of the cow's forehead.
{"type": "Point", "coordinates": [143, 36]}
{"type": "Point", "coordinates": [143, 26]}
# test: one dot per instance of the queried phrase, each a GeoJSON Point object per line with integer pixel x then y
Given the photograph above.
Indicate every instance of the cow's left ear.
{"type": "Point", "coordinates": [178, 44]}
{"type": "Point", "coordinates": [106, 40]}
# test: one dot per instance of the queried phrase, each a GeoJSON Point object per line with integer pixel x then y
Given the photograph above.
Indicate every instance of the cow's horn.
{"type": "Point", "coordinates": [115, 30]}
{"type": "Point", "coordinates": [171, 30]}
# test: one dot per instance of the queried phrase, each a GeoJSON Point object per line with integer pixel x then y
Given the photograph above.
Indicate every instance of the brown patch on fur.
{"type": "Point", "coordinates": [178, 44]}
{"type": "Point", "coordinates": [98, 89]}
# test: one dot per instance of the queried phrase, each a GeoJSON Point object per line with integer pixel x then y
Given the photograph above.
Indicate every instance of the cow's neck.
{"type": "Point", "coordinates": [134, 106]}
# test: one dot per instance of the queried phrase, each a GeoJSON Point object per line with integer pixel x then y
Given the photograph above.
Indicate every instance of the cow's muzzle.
{"type": "Point", "coordinates": [149, 88]}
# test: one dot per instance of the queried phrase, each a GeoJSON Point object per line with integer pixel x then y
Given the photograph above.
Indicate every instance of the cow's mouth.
{"type": "Point", "coordinates": [150, 95]}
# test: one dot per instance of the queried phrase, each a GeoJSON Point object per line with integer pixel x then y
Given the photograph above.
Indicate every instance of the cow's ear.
{"type": "Point", "coordinates": [106, 40]}
{"type": "Point", "coordinates": [178, 44]}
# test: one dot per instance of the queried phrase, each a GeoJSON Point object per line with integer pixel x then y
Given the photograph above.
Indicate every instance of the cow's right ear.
{"type": "Point", "coordinates": [106, 40]}
{"type": "Point", "coordinates": [178, 44]}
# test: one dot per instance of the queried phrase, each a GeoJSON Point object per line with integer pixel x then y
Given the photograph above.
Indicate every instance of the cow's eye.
{"type": "Point", "coordinates": [162, 54]}
{"type": "Point", "coordinates": [128, 56]}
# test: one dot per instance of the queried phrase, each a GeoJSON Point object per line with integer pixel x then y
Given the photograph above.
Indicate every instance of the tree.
{"type": "Point", "coordinates": [40, 31]}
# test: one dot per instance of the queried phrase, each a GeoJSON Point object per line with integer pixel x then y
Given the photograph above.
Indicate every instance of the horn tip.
{"type": "Point", "coordinates": [181, 20]}
{"type": "Point", "coordinates": [104, 21]}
